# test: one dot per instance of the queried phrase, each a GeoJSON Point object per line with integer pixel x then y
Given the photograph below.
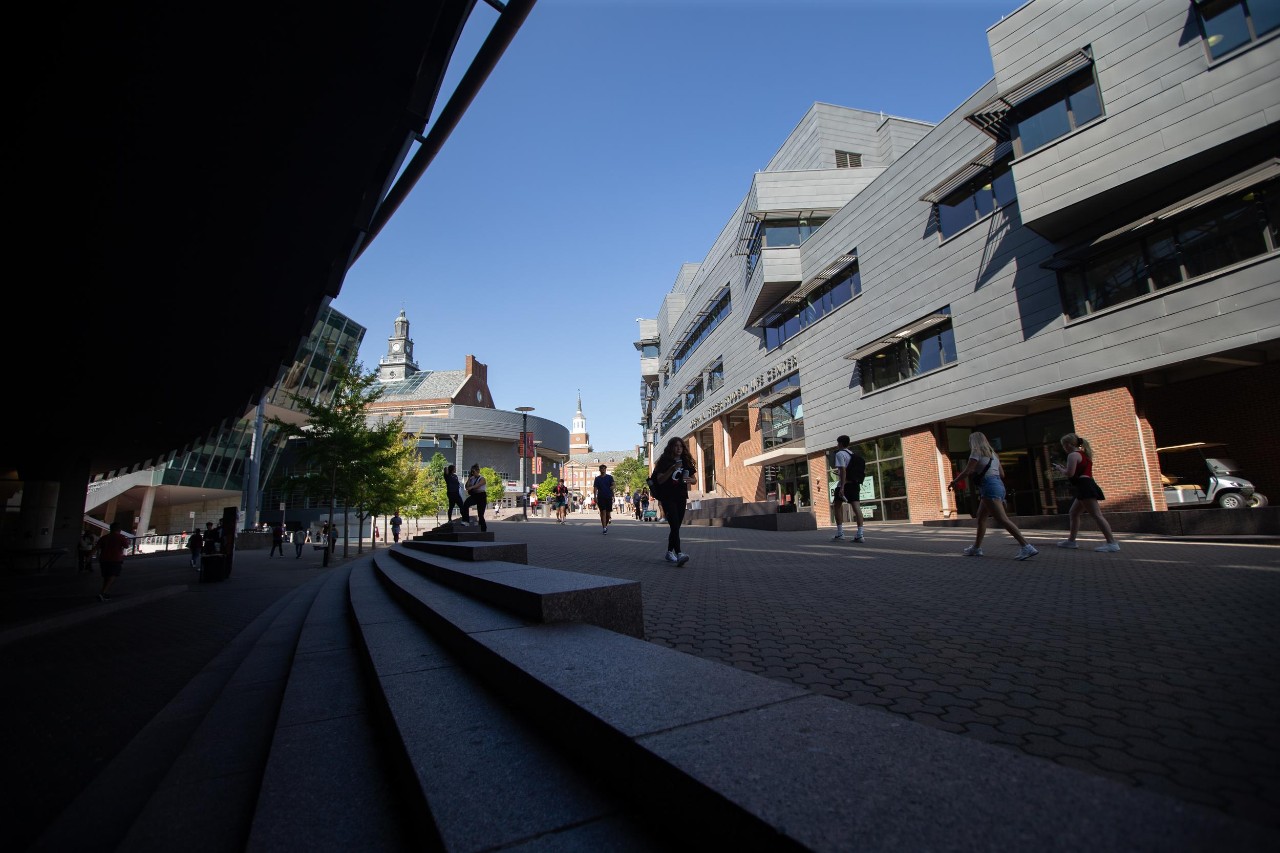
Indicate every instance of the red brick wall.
{"type": "Point", "coordinates": [1107, 417]}
{"type": "Point", "coordinates": [745, 441]}
{"type": "Point", "coordinates": [920, 457]}
{"type": "Point", "coordinates": [1239, 407]}
{"type": "Point", "coordinates": [818, 475]}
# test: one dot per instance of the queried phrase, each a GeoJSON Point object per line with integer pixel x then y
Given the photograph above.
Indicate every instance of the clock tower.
{"type": "Point", "coordinates": [579, 441]}
{"type": "Point", "coordinates": [398, 363]}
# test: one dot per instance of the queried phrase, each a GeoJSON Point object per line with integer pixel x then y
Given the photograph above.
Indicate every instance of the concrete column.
{"type": "Point", "coordinates": [144, 514]}
{"type": "Point", "coordinates": [38, 512]}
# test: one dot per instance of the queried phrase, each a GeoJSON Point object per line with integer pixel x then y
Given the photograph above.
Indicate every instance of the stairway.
{"type": "Point", "coordinates": [445, 695]}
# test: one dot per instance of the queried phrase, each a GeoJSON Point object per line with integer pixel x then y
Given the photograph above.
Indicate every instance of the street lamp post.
{"type": "Point", "coordinates": [524, 431]}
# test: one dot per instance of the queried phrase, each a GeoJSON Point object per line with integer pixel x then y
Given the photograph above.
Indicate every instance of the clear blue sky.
{"type": "Point", "coordinates": [610, 146]}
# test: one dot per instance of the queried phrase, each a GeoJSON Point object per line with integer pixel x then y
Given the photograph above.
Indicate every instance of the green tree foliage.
{"type": "Point", "coordinates": [335, 450]}
{"type": "Point", "coordinates": [547, 488]}
{"type": "Point", "coordinates": [629, 475]}
{"type": "Point", "coordinates": [494, 485]}
{"type": "Point", "coordinates": [428, 496]}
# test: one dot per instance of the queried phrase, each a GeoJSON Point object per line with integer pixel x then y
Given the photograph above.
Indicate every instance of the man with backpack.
{"type": "Point", "coordinates": [850, 469]}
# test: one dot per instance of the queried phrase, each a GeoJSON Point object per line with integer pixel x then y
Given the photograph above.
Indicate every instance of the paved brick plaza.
{"type": "Point", "coordinates": [1156, 666]}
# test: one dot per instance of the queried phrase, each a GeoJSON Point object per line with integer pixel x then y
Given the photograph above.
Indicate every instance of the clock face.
{"type": "Point", "coordinates": [395, 347]}
{"type": "Point", "coordinates": [479, 396]}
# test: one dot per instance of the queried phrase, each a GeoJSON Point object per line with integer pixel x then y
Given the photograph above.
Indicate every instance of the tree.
{"type": "Point", "coordinates": [334, 441]}
{"type": "Point", "coordinates": [629, 475]}
{"type": "Point", "coordinates": [547, 488]}
{"type": "Point", "coordinates": [495, 487]}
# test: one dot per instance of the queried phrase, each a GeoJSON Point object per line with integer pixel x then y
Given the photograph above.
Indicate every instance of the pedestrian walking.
{"type": "Point", "coordinates": [84, 551]}
{"type": "Point", "coordinates": [562, 502]}
{"type": "Point", "coordinates": [212, 536]}
{"type": "Point", "coordinates": [602, 488]}
{"type": "Point", "coordinates": [457, 498]}
{"type": "Point", "coordinates": [983, 471]}
{"type": "Point", "coordinates": [477, 496]}
{"type": "Point", "coordinates": [110, 550]}
{"type": "Point", "coordinates": [396, 522]}
{"type": "Point", "coordinates": [277, 540]}
{"type": "Point", "coordinates": [301, 537]}
{"type": "Point", "coordinates": [195, 544]}
{"type": "Point", "coordinates": [851, 468]}
{"type": "Point", "coordinates": [671, 475]}
{"type": "Point", "coordinates": [1087, 493]}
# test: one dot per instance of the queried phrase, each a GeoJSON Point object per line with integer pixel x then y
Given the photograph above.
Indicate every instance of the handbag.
{"type": "Point", "coordinates": [976, 478]}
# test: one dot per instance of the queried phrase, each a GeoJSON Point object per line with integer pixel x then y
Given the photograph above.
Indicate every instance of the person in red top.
{"type": "Point", "coordinates": [1079, 471]}
{"type": "Point", "coordinates": [110, 550]}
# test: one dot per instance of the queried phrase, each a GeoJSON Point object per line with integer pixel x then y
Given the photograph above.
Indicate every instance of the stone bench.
{"type": "Point", "coordinates": [535, 593]}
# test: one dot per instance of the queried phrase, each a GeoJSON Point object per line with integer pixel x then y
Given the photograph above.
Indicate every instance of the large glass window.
{"type": "Point", "coordinates": [1225, 232]}
{"type": "Point", "coordinates": [649, 351]}
{"type": "Point", "coordinates": [1056, 112]}
{"type": "Point", "coordinates": [912, 356]}
{"type": "Point", "coordinates": [670, 417]}
{"type": "Point", "coordinates": [979, 198]}
{"type": "Point", "coordinates": [783, 232]}
{"type": "Point", "coordinates": [782, 421]}
{"type": "Point", "coordinates": [1229, 24]}
{"type": "Point", "coordinates": [715, 315]}
{"type": "Point", "coordinates": [838, 290]}
{"type": "Point", "coordinates": [715, 376]}
{"type": "Point", "coordinates": [884, 488]}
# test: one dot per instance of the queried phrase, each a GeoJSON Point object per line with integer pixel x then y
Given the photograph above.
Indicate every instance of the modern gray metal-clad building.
{"type": "Point", "coordinates": [1088, 243]}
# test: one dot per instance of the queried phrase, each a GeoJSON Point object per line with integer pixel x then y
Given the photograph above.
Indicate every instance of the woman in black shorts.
{"type": "Point", "coordinates": [1079, 471]}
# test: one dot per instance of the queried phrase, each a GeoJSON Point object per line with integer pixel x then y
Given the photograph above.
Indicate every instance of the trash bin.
{"type": "Point", "coordinates": [213, 567]}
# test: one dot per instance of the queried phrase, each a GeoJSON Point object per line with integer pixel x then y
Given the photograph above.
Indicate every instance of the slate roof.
{"type": "Point", "coordinates": [426, 385]}
{"type": "Point", "coordinates": [596, 457]}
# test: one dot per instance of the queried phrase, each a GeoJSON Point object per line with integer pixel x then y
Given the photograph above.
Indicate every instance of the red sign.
{"type": "Point", "coordinates": [525, 448]}
{"type": "Point", "coordinates": [537, 464]}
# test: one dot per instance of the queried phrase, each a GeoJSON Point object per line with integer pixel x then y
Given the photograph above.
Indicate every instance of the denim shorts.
{"type": "Point", "coordinates": [992, 487]}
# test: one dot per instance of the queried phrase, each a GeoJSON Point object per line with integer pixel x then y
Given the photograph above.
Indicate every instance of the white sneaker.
{"type": "Point", "coordinates": [671, 557]}
{"type": "Point", "coordinates": [971, 551]}
{"type": "Point", "coordinates": [1110, 546]}
{"type": "Point", "coordinates": [681, 559]}
{"type": "Point", "coordinates": [1026, 552]}
{"type": "Point", "coordinates": [839, 537]}
{"type": "Point", "coordinates": [1068, 543]}
{"type": "Point", "coordinates": [857, 537]}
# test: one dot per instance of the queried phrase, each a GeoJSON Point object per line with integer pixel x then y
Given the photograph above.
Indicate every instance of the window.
{"type": "Point", "coordinates": [670, 417]}
{"type": "Point", "coordinates": [819, 302]}
{"type": "Point", "coordinates": [713, 316]}
{"type": "Point", "coordinates": [977, 199]}
{"type": "Point", "coordinates": [884, 488]}
{"type": "Point", "coordinates": [1056, 111]}
{"type": "Point", "coordinates": [693, 394]}
{"type": "Point", "coordinates": [848, 160]}
{"type": "Point", "coordinates": [782, 421]}
{"type": "Point", "coordinates": [1229, 24]}
{"type": "Point", "coordinates": [781, 232]}
{"type": "Point", "coordinates": [1243, 225]}
{"type": "Point", "coordinates": [715, 376]}
{"type": "Point", "coordinates": [649, 351]}
{"type": "Point", "coordinates": [905, 355]}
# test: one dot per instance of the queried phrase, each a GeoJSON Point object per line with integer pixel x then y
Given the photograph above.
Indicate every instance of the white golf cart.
{"type": "Point", "coordinates": [1184, 467]}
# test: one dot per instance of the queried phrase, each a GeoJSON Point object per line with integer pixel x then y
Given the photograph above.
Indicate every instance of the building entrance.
{"type": "Point", "coordinates": [1028, 449]}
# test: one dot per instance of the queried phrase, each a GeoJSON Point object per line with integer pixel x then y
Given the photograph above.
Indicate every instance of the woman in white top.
{"type": "Point", "coordinates": [477, 496]}
{"type": "Point", "coordinates": [984, 462]}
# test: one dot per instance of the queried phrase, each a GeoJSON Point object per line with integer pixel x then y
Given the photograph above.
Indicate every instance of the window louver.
{"type": "Point", "coordinates": [848, 160]}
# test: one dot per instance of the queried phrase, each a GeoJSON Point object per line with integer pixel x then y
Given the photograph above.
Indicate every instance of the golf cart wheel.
{"type": "Point", "coordinates": [1232, 500]}
{"type": "Point", "coordinates": [1258, 500]}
